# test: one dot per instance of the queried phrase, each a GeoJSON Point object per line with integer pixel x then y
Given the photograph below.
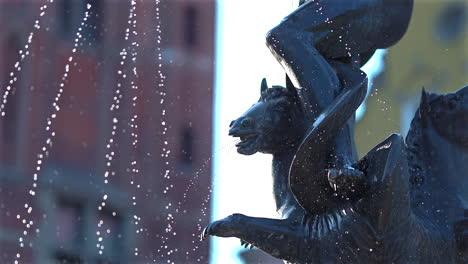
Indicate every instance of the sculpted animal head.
{"type": "Point", "coordinates": [443, 115]}
{"type": "Point", "coordinates": [447, 114]}
{"type": "Point", "coordinates": [273, 124]}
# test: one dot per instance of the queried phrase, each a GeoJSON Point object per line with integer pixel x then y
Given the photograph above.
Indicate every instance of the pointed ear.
{"type": "Point", "coordinates": [263, 86]}
{"type": "Point", "coordinates": [424, 107]}
{"type": "Point", "coordinates": [290, 86]}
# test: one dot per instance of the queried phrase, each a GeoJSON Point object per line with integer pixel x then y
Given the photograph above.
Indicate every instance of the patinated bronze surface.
{"type": "Point", "coordinates": [402, 202]}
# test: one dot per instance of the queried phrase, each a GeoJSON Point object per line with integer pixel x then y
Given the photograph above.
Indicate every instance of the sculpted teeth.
{"type": "Point", "coordinates": [244, 139]}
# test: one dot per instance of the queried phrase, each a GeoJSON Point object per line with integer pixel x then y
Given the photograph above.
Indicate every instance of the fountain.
{"type": "Point", "coordinates": [395, 205]}
{"type": "Point", "coordinates": [145, 195]}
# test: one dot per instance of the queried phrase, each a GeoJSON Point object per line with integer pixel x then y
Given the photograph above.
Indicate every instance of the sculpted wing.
{"type": "Point", "coordinates": [306, 178]}
{"type": "Point", "coordinates": [437, 146]}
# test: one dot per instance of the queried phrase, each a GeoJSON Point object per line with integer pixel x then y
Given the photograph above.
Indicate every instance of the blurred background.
{"type": "Point", "coordinates": [133, 160]}
{"type": "Point", "coordinates": [113, 90]}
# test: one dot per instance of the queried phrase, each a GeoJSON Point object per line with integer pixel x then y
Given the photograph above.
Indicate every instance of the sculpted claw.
{"type": "Point", "coordinates": [204, 233]}
{"type": "Point", "coordinates": [226, 227]}
{"type": "Point", "coordinates": [246, 244]}
{"type": "Point", "coordinates": [209, 230]}
{"type": "Point", "coordinates": [345, 178]}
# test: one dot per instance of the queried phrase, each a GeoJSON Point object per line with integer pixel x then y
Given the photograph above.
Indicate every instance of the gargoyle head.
{"type": "Point", "coordinates": [273, 124]}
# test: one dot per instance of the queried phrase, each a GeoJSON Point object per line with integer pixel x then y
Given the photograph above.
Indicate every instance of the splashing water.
{"type": "Point", "coordinates": [130, 53]}
{"type": "Point", "coordinates": [164, 249]}
{"type": "Point", "coordinates": [28, 223]}
{"type": "Point", "coordinates": [133, 120]}
{"type": "Point", "coordinates": [128, 56]}
{"type": "Point", "coordinates": [24, 53]}
{"type": "Point", "coordinates": [193, 183]}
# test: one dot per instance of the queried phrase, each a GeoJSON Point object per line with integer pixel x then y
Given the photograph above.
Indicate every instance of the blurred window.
{"type": "Point", "coordinates": [66, 13]}
{"type": "Point", "coordinates": [76, 222]}
{"type": "Point", "coordinates": [9, 123]}
{"type": "Point", "coordinates": [190, 32]}
{"type": "Point", "coordinates": [67, 259]}
{"type": "Point", "coordinates": [452, 21]}
{"type": "Point", "coordinates": [68, 230]}
{"type": "Point", "coordinates": [112, 237]}
{"type": "Point", "coordinates": [69, 217]}
{"type": "Point", "coordinates": [70, 14]}
{"type": "Point", "coordinates": [187, 147]}
{"type": "Point", "coordinates": [92, 31]}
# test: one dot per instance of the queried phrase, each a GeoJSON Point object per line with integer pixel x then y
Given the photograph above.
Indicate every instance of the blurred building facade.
{"type": "Point", "coordinates": [173, 128]}
{"type": "Point", "coordinates": [433, 54]}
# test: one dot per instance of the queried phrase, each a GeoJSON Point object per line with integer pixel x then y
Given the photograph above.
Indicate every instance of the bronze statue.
{"type": "Point", "coordinates": [396, 205]}
{"type": "Point", "coordinates": [310, 39]}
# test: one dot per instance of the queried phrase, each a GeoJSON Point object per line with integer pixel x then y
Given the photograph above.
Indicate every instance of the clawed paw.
{"type": "Point", "coordinates": [208, 230]}
{"type": "Point", "coordinates": [226, 227]}
{"type": "Point", "coordinates": [246, 244]}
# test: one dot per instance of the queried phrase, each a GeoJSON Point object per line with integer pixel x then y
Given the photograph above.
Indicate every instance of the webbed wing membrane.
{"type": "Point", "coordinates": [307, 180]}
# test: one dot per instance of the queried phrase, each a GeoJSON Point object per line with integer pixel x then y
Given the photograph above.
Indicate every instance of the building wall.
{"type": "Point", "coordinates": [433, 54]}
{"type": "Point", "coordinates": [71, 182]}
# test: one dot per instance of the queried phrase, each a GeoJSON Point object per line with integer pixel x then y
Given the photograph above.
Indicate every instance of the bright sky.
{"type": "Point", "coordinates": [242, 61]}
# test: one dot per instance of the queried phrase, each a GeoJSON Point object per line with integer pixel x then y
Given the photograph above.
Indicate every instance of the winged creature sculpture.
{"type": "Point", "coordinates": [398, 204]}
{"type": "Point", "coordinates": [410, 208]}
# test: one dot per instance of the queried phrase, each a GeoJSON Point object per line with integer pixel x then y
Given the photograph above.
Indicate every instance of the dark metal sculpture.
{"type": "Point", "coordinates": [396, 205]}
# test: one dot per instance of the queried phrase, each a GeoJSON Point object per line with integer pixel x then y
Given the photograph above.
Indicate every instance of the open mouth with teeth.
{"type": "Point", "coordinates": [247, 144]}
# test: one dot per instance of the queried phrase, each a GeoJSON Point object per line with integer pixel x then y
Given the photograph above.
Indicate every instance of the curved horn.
{"type": "Point", "coordinates": [263, 86]}
{"type": "Point", "coordinates": [424, 106]}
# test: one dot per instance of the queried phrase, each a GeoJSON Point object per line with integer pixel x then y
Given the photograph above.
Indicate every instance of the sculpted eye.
{"type": "Point", "coordinates": [246, 123]}
{"type": "Point", "coordinates": [280, 108]}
